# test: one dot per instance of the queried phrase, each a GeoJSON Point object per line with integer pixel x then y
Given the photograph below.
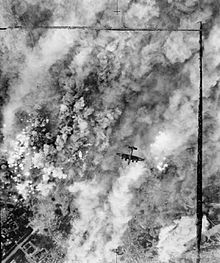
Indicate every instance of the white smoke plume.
{"type": "Point", "coordinates": [37, 62]}
{"type": "Point", "coordinates": [102, 221]}
{"type": "Point", "coordinates": [173, 239]}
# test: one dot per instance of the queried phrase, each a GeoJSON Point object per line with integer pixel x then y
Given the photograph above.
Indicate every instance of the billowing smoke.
{"type": "Point", "coordinates": [102, 221]}
{"type": "Point", "coordinates": [173, 239]}
{"type": "Point", "coordinates": [71, 99]}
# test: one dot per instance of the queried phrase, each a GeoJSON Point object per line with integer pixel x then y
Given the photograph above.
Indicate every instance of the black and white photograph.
{"type": "Point", "coordinates": [110, 131]}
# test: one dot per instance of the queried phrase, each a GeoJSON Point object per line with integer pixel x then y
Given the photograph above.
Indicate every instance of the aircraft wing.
{"type": "Point", "coordinates": [136, 158]}
{"type": "Point", "coordinates": [124, 156]}
{"type": "Point", "coordinates": [133, 158]}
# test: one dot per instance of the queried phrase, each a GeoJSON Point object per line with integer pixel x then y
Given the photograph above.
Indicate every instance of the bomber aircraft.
{"type": "Point", "coordinates": [129, 157]}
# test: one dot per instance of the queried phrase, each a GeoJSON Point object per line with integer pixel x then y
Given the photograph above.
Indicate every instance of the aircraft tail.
{"type": "Point", "coordinates": [132, 147]}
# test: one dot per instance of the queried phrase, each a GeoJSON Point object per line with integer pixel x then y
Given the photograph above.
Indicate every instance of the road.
{"type": "Point", "coordinates": [19, 246]}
